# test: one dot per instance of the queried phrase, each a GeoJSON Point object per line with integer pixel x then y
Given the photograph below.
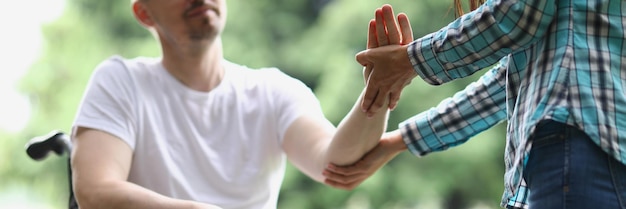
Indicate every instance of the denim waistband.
{"type": "Point", "coordinates": [549, 125]}
{"type": "Point", "coordinates": [550, 131]}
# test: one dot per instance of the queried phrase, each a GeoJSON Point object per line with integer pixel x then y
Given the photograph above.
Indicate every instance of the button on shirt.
{"type": "Point", "coordinates": [552, 59]}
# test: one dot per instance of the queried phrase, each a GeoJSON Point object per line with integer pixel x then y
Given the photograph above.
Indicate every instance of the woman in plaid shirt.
{"type": "Point", "coordinates": [558, 79]}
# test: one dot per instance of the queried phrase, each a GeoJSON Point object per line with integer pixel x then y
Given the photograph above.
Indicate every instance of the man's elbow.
{"type": "Point", "coordinates": [92, 196]}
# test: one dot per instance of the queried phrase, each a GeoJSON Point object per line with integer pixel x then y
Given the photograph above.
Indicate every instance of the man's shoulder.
{"type": "Point", "coordinates": [117, 64]}
{"type": "Point", "coordinates": [270, 74]}
{"type": "Point", "coordinates": [130, 63]}
{"type": "Point", "coordinates": [249, 70]}
{"type": "Point", "coordinates": [120, 70]}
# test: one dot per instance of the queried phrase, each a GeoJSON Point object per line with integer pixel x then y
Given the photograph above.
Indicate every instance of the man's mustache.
{"type": "Point", "coordinates": [198, 4]}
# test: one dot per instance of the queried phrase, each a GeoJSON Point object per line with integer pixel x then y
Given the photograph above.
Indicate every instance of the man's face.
{"type": "Point", "coordinates": [182, 20]}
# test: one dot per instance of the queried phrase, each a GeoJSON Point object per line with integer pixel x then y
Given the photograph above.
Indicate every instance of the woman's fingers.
{"type": "Point", "coordinates": [393, 34]}
{"type": "Point", "coordinates": [381, 31]}
{"type": "Point", "coordinates": [372, 41]}
{"type": "Point", "coordinates": [405, 28]}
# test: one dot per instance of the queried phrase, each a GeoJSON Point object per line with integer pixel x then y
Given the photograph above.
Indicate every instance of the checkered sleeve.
{"type": "Point", "coordinates": [479, 106]}
{"type": "Point", "coordinates": [480, 38]}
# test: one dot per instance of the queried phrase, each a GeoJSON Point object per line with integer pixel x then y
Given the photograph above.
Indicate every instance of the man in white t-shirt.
{"type": "Point", "coordinates": [192, 130]}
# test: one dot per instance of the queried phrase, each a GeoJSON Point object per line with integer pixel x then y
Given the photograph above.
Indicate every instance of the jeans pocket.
{"type": "Point", "coordinates": [547, 140]}
{"type": "Point", "coordinates": [546, 151]}
{"type": "Point", "coordinates": [548, 132]}
{"type": "Point", "coordinates": [618, 175]}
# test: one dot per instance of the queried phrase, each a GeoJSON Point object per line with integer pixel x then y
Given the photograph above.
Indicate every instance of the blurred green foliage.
{"type": "Point", "coordinates": [312, 40]}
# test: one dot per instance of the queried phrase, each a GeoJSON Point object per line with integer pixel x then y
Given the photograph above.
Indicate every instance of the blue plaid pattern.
{"type": "Point", "coordinates": [552, 59]}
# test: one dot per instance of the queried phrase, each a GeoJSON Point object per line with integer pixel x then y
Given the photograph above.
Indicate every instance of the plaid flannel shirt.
{"type": "Point", "coordinates": [563, 60]}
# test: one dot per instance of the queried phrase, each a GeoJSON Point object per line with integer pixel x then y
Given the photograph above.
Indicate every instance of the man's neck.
{"type": "Point", "coordinates": [198, 69]}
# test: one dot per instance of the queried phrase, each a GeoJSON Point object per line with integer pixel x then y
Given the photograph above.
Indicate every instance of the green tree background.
{"type": "Point", "coordinates": [312, 40]}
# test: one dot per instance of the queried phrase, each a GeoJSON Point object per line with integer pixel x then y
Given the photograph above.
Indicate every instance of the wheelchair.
{"type": "Point", "coordinates": [58, 142]}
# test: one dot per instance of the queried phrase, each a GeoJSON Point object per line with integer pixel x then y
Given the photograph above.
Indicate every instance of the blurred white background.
{"type": "Point", "coordinates": [20, 44]}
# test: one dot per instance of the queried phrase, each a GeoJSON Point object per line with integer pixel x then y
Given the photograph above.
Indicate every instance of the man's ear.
{"type": "Point", "coordinates": [141, 14]}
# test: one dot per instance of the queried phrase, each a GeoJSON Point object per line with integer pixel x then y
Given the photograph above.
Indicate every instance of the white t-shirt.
{"type": "Point", "coordinates": [221, 147]}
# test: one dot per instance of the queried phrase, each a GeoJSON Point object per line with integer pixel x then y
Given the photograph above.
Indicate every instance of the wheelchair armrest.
{"type": "Point", "coordinates": [38, 147]}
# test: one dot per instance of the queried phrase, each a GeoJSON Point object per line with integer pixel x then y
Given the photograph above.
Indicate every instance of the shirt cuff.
{"type": "Point", "coordinates": [425, 63]}
{"type": "Point", "coordinates": [417, 134]}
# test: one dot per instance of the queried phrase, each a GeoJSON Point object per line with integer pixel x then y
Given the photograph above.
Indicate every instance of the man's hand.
{"type": "Point", "coordinates": [349, 177]}
{"type": "Point", "coordinates": [389, 56]}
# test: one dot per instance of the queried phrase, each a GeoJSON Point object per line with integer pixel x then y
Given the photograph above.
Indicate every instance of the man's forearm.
{"type": "Point", "coordinates": [356, 135]}
{"type": "Point", "coordinates": [123, 195]}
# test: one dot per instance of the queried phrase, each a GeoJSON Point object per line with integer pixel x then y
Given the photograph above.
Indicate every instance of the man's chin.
{"type": "Point", "coordinates": [204, 36]}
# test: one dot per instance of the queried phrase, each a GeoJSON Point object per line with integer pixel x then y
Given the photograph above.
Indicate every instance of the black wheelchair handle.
{"type": "Point", "coordinates": [38, 147]}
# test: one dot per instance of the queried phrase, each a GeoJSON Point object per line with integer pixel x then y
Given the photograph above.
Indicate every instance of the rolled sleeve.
{"type": "Point", "coordinates": [480, 106]}
{"type": "Point", "coordinates": [422, 57]}
{"type": "Point", "coordinates": [480, 38]}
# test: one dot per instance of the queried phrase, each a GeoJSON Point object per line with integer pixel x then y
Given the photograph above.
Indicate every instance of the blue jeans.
{"type": "Point", "coordinates": [566, 170]}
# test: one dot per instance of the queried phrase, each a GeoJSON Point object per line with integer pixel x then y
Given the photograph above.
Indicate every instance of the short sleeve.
{"type": "Point", "coordinates": [292, 99]}
{"type": "Point", "coordinates": [108, 103]}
